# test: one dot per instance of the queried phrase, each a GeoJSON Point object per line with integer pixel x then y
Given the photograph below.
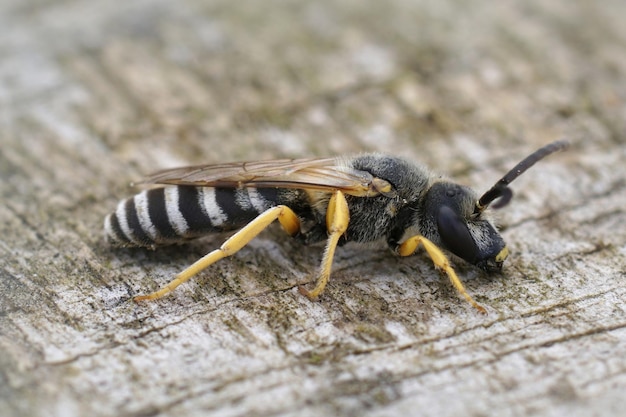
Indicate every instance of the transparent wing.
{"type": "Point", "coordinates": [324, 174]}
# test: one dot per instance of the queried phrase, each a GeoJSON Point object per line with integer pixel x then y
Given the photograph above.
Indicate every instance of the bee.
{"type": "Point", "coordinates": [363, 198]}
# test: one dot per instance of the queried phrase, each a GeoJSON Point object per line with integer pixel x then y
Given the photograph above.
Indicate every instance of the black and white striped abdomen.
{"type": "Point", "coordinates": [167, 215]}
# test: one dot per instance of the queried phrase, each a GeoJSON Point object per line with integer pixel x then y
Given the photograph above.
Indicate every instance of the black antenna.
{"type": "Point", "coordinates": [502, 191]}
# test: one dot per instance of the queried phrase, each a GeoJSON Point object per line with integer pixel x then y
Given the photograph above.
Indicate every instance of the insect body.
{"type": "Point", "coordinates": [362, 199]}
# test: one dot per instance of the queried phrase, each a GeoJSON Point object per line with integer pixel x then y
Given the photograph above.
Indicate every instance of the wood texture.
{"type": "Point", "coordinates": [94, 95]}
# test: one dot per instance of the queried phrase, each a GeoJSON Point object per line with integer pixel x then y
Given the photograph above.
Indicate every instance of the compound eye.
{"type": "Point", "coordinates": [455, 235]}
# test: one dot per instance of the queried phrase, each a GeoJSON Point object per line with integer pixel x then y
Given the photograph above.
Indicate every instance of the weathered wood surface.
{"type": "Point", "coordinates": [96, 94]}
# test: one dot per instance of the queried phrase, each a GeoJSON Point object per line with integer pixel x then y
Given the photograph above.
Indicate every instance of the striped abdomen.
{"type": "Point", "coordinates": [173, 214]}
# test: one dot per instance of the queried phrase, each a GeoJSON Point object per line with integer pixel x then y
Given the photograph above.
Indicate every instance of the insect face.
{"type": "Point", "coordinates": [449, 220]}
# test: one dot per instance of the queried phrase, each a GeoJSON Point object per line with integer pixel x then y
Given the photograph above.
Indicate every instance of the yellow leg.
{"type": "Point", "coordinates": [337, 219]}
{"type": "Point", "coordinates": [285, 216]}
{"type": "Point", "coordinates": [440, 260]}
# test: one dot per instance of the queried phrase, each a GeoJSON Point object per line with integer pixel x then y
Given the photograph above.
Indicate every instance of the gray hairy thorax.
{"type": "Point", "coordinates": [381, 216]}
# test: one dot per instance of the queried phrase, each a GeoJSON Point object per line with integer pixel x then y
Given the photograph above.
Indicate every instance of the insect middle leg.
{"type": "Point", "coordinates": [409, 246]}
{"type": "Point", "coordinates": [337, 219]}
{"type": "Point", "coordinates": [283, 214]}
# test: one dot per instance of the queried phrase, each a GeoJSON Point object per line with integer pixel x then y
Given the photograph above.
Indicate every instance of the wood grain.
{"type": "Point", "coordinates": [94, 95]}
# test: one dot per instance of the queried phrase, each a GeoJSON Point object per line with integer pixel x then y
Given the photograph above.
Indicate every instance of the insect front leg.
{"type": "Point", "coordinates": [337, 219]}
{"type": "Point", "coordinates": [283, 214]}
{"type": "Point", "coordinates": [409, 246]}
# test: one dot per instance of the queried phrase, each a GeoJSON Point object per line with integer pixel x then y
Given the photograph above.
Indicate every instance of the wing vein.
{"type": "Point", "coordinates": [309, 174]}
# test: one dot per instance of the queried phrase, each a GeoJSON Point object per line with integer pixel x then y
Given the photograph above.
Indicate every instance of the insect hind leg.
{"type": "Point", "coordinates": [287, 218]}
{"type": "Point", "coordinates": [409, 246]}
